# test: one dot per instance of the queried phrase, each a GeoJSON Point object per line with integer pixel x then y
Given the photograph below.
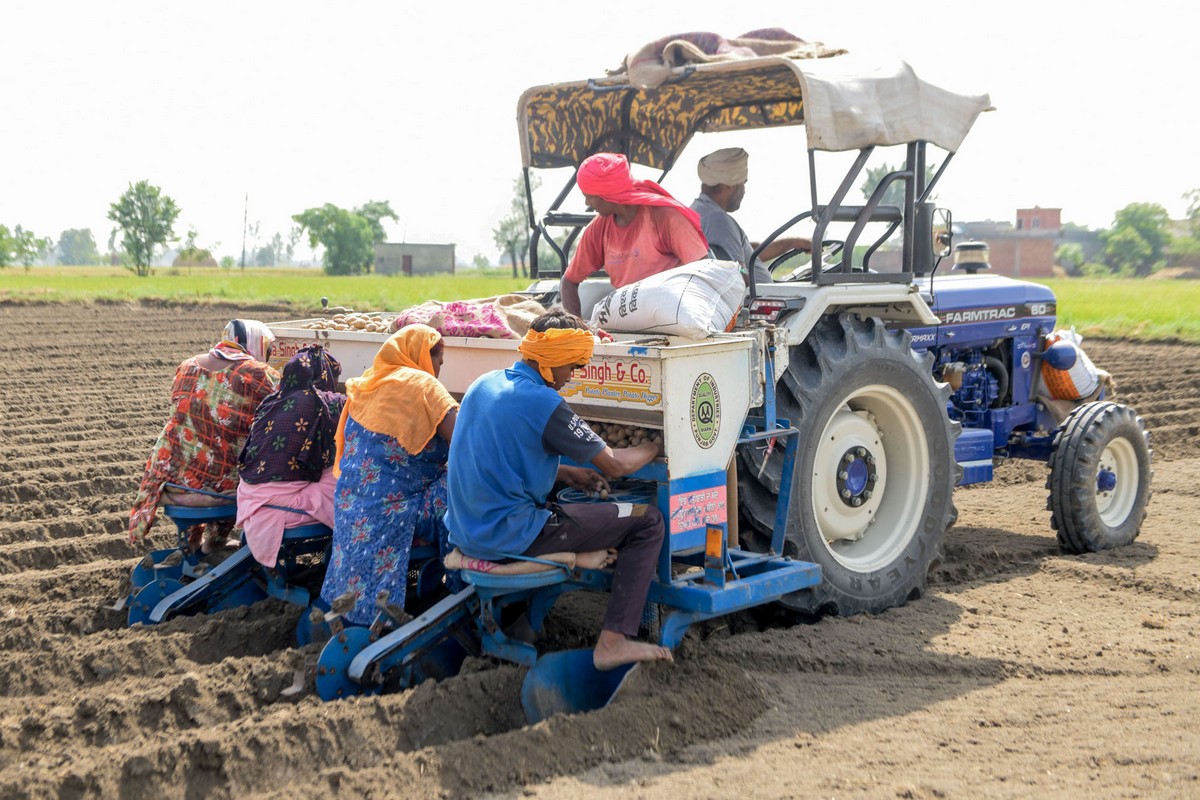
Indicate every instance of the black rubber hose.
{"type": "Point", "coordinates": [1000, 372]}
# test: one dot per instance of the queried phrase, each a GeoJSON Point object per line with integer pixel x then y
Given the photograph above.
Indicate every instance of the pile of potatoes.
{"type": "Point", "coordinates": [351, 321]}
{"type": "Point", "coordinates": [617, 435]}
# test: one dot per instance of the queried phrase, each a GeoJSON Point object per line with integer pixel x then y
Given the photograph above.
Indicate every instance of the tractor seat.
{"type": "Point", "coordinates": [520, 572]}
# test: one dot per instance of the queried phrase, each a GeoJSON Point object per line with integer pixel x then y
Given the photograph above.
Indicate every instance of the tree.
{"type": "Point", "coordinates": [270, 254]}
{"type": "Point", "coordinates": [77, 246]}
{"type": "Point", "coordinates": [6, 246]}
{"type": "Point", "coordinates": [146, 217]}
{"type": "Point", "coordinates": [27, 247]}
{"type": "Point", "coordinates": [1193, 211]}
{"type": "Point", "coordinates": [1126, 253]}
{"type": "Point", "coordinates": [347, 236]}
{"type": "Point", "coordinates": [1070, 257]}
{"type": "Point", "coordinates": [1135, 243]}
{"type": "Point", "coordinates": [293, 239]}
{"type": "Point", "coordinates": [894, 194]}
{"type": "Point", "coordinates": [21, 246]}
{"type": "Point", "coordinates": [192, 255]}
{"type": "Point", "coordinates": [480, 261]}
{"type": "Point", "coordinates": [374, 212]}
{"type": "Point", "coordinates": [512, 233]}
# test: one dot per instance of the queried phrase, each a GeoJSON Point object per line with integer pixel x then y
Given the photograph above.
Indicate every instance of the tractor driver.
{"type": "Point", "coordinates": [504, 461]}
{"type": "Point", "coordinates": [640, 229]}
{"type": "Point", "coordinates": [723, 174]}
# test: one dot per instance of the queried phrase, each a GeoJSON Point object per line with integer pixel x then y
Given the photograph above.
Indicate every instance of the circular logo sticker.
{"type": "Point", "coordinates": [706, 410]}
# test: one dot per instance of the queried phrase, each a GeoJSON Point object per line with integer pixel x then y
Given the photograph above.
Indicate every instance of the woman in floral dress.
{"type": "Point", "coordinates": [393, 440]}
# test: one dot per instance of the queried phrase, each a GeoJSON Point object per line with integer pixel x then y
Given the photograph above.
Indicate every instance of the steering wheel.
{"type": "Point", "coordinates": [829, 249]}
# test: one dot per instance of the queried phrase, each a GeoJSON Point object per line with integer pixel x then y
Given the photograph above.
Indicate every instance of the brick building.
{"type": "Point", "coordinates": [1025, 250]}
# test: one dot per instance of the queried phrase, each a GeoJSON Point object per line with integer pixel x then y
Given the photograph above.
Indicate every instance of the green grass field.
{"type": "Point", "coordinates": [301, 289]}
{"type": "Point", "coordinates": [1154, 310]}
{"type": "Point", "coordinates": [1127, 309]}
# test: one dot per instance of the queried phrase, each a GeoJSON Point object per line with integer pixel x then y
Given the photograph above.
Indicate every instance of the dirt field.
{"type": "Point", "coordinates": [1022, 672]}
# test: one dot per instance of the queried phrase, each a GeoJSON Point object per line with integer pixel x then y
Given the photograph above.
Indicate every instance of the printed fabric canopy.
{"type": "Point", "coordinates": [846, 104]}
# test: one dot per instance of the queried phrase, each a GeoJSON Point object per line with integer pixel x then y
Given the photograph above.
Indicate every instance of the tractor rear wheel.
{"type": "Point", "coordinates": [872, 490]}
{"type": "Point", "coordinates": [1099, 478]}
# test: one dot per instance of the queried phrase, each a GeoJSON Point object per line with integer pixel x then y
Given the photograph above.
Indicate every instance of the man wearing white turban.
{"type": "Point", "coordinates": [723, 175]}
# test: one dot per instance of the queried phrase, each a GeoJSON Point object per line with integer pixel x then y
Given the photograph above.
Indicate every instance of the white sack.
{"type": "Point", "coordinates": [692, 300]}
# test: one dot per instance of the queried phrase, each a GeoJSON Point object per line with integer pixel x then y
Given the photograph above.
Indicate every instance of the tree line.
{"type": "Point", "coordinates": [1142, 239]}
{"type": "Point", "coordinates": [145, 219]}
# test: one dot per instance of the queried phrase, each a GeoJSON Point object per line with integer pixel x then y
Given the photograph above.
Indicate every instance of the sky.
{"type": "Point", "coordinates": [262, 109]}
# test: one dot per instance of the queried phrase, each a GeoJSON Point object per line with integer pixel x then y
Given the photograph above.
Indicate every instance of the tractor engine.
{"type": "Point", "coordinates": [977, 382]}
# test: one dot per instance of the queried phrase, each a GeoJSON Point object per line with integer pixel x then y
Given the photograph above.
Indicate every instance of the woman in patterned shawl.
{"type": "Point", "coordinates": [288, 459]}
{"type": "Point", "coordinates": [213, 400]}
{"type": "Point", "coordinates": [393, 439]}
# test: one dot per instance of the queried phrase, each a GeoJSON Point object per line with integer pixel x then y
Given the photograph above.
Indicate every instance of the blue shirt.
{"type": "Point", "coordinates": [504, 457]}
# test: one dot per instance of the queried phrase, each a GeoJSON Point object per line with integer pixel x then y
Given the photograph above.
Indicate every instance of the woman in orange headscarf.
{"type": "Point", "coordinates": [392, 441]}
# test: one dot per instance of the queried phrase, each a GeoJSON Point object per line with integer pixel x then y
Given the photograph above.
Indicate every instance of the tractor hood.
{"type": "Point", "coordinates": [959, 299]}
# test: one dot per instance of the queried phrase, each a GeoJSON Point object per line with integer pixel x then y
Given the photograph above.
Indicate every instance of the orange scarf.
{"type": "Point", "coordinates": [398, 395]}
{"type": "Point", "coordinates": [557, 347]}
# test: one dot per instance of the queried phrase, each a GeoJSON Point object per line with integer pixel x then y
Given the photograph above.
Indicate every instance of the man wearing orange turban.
{"type": "Point", "coordinates": [512, 429]}
{"type": "Point", "coordinates": [640, 229]}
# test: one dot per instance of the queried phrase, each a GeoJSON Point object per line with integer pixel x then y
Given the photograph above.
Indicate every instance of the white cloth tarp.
{"type": "Point", "coordinates": [850, 104]}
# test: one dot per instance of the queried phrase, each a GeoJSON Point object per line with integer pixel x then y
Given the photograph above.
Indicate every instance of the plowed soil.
{"type": "Point", "coordinates": [1023, 671]}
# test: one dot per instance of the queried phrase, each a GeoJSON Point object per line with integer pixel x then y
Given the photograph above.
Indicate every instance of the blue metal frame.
{"type": "Point", "coordinates": [240, 580]}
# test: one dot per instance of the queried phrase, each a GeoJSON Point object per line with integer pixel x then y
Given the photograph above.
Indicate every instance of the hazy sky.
{"type": "Point", "coordinates": [300, 103]}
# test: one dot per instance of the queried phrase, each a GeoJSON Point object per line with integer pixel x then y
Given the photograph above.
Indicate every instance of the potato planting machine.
{"type": "Point", "coordinates": [697, 395]}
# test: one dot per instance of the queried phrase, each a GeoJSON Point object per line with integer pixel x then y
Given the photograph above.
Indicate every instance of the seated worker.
{"type": "Point", "coordinates": [392, 440]}
{"type": "Point", "coordinates": [213, 400]}
{"type": "Point", "coordinates": [640, 230]}
{"type": "Point", "coordinates": [723, 175]}
{"type": "Point", "coordinates": [504, 461]}
{"type": "Point", "coordinates": [288, 458]}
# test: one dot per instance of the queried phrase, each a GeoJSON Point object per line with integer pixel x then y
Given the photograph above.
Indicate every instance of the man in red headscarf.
{"type": "Point", "coordinates": [640, 230]}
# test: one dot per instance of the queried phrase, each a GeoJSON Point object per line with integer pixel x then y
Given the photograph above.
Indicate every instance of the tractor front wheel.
{"type": "Point", "coordinates": [1099, 478]}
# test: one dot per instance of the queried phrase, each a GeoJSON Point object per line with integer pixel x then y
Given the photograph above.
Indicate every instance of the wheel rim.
{"type": "Point", "coordinates": [870, 478]}
{"type": "Point", "coordinates": [1116, 482]}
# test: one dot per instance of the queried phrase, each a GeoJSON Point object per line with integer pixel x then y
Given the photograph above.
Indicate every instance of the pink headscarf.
{"type": "Point", "coordinates": [607, 176]}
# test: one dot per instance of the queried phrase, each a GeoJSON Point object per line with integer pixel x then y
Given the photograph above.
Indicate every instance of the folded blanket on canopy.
{"type": "Point", "coordinates": [505, 317]}
{"type": "Point", "coordinates": [652, 64]}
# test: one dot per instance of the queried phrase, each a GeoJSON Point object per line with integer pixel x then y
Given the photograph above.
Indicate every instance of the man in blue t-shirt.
{"type": "Point", "coordinates": [511, 431]}
{"type": "Point", "coordinates": [723, 175]}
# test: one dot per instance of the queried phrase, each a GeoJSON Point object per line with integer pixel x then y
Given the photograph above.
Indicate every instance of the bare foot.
{"type": "Point", "coordinates": [597, 559]}
{"type": "Point", "coordinates": [210, 546]}
{"type": "Point", "coordinates": [613, 650]}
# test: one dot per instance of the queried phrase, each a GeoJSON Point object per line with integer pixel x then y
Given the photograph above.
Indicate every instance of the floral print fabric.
{"type": "Point", "coordinates": [292, 437]}
{"type": "Point", "coordinates": [385, 498]}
